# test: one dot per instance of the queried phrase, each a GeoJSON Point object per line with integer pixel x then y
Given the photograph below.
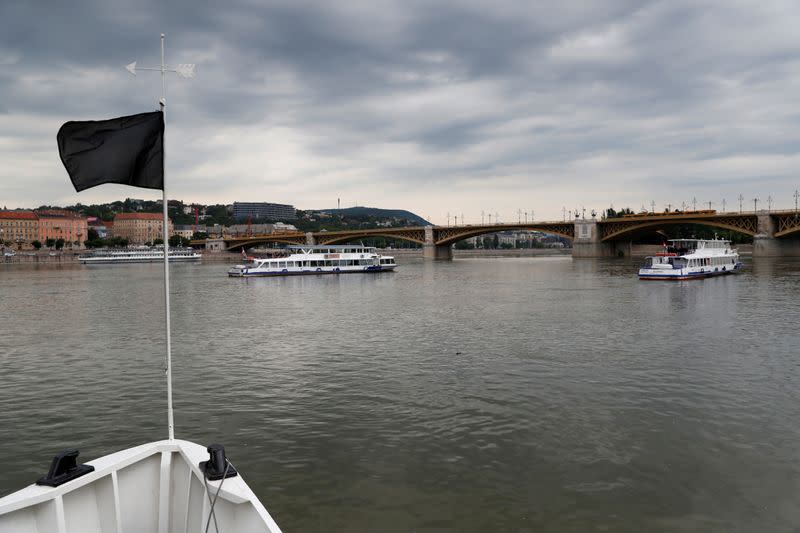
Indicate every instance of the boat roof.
{"type": "Point", "coordinates": [699, 240]}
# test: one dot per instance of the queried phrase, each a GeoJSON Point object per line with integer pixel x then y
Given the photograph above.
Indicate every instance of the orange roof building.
{"type": "Point", "coordinates": [140, 228]}
{"type": "Point", "coordinates": [18, 227]}
{"type": "Point", "coordinates": [61, 224]}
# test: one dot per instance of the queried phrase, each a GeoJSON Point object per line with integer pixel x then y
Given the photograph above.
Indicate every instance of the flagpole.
{"type": "Point", "coordinates": [163, 103]}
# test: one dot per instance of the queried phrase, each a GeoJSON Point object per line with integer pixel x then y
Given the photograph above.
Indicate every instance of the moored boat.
{"type": "Point", "coordinates": [691, 259]}
{"type": "Point", "coordinates": [139, 255]}
{"type": "Point", "coordinates": [331, 259]}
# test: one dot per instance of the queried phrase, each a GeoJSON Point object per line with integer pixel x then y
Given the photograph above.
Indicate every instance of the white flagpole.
{"type": "Point", "coordinates": [185, 70]}
{"type": "Point", "coordinates": [170, 419]}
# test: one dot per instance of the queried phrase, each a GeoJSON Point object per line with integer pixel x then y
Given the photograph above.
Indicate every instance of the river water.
{"type": "Point", "coordinates": [528, 394]}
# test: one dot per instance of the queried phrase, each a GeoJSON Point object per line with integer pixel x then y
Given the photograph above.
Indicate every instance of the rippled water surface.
{"type": "Point", "coordinates": [540, 394]}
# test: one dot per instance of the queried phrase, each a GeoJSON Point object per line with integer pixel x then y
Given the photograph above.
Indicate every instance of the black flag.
{"type": "Point", "coordinates": [126, 150]}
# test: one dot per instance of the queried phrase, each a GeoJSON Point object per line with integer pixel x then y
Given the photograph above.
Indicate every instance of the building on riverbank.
{"type": "Point", "coordinates": [18, 228]}
{"type": "Point", "coordinates": [61, 224]}
{"type": "Point", "coordinates": [263, 211]}
{"type": "Point", "coordinates": [140, 228]}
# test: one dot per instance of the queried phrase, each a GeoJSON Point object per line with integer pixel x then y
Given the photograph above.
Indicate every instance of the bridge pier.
{"type": "Point", "coordinates": [214, 245]}
{"type": "Point", "coordinates": [431, 250]}
{"type": "Point", "coordinates": [439, 253]}
{"type": "Point", "coordinates": [766, 245]}
{"type": "Point", "coordinates": [587, 242]}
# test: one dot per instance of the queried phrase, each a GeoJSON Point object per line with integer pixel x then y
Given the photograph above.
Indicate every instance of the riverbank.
{"type": "Point", "coordinates": [637, 250]}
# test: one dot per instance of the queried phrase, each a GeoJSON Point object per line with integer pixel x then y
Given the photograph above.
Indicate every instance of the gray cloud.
{"type": "Point", "coordinates": [435, 107]}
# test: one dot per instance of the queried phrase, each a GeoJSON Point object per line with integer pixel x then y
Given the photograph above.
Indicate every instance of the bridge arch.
{"type": "Point", "coordinates": [336, 239]}
{"type": "Point", "coordinates": [239, 245]}
{"type": "Point", "coordinates": [459, 233]}
{"type": "Point", "coordinates": [614, 231]}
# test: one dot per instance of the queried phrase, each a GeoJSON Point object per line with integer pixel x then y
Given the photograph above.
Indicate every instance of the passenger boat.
{"type": "Point", "coordinates": [139, 255]}
{"type": "Point", "coordinates": [342, 259]}
{"type": "Point", "coordinates": [691, 259]}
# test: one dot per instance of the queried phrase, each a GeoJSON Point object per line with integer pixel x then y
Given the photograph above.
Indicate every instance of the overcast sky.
{"type": "Point", "coordinates": [436, 107]}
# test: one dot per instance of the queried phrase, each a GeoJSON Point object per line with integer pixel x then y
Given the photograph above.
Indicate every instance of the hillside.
{"type": "Point", "coordinates": [365, 212]}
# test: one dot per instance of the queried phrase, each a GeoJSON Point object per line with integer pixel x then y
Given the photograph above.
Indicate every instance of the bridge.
{"type": "Point", "coordinates": [774, 233]}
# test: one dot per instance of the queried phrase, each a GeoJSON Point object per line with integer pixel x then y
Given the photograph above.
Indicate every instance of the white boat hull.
{"type": "Point", "coordinates": [155, 487]}
{"type": "Point", "coordinates": [679, 274]}
{"type": "Point", "coordinates": [242, 271]}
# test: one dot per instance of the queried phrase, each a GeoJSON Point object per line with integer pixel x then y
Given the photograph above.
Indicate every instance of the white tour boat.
{"type": "Point", "coordinates": [691, 259]}
{"type": "Point", "coordinates": [139, 255]}
{"type": "Point", "coordinates": [330, 259]}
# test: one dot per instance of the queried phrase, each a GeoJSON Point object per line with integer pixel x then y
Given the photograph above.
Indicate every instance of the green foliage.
{"type": "Point", "coordinates": [157, 242]}
{"type": "Point", "coordinates": [50, 242]}
{"type": "Point", "coordinates": [611, 213]}
{"type": "Point", "coordinates": [178, 241]}
{"type": "Point", "coordinates": [59, 244]}
{"type": "Point", "coordinates": [36, 244]}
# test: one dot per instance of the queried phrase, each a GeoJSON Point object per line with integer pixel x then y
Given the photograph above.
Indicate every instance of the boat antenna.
{"type": "Point", "coordinates": [184, 71]}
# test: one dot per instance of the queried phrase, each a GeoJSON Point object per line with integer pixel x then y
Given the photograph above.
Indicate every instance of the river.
{"type": "Point", "coordinates": [487, 394]}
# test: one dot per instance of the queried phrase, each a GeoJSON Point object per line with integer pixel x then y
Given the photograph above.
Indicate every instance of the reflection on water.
{"type": "Point", "coordinates": [473, 395]}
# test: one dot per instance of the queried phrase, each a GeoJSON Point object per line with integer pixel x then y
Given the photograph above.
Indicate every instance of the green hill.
{"type": "Point", "coordinates": [359, 212]}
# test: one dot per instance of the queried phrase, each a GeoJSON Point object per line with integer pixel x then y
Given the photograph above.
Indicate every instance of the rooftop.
{"type": "Point", "coordinates": [17, 215]}
{"type": "Point", "coordinates": [138, 216]}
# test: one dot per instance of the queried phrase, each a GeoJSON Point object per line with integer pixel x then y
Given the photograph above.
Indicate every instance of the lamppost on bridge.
{"type": "Point", "coordinates": [723, 205]}
{"type": "Point", "coordinates": [583, 213]}
{"type": "Point", "coordinates": [796, 196]}
{"type": "Point", "coordinates": [709, 205]}
{"type": "Point", "coordinates": [519, 216]}
{"type": "Point", "coordinates": [531, 215]}
{"type": "Point", "coordinates": [462, 220]}
{"type": "Point", "coordinates": [652, 206]}
{"type": "Point", "coordinates": [448, 218]}
{"type": "Point", "coordinates": [694, 203]}
{"type": "Point", "coordinates": [526, 216]}
{"type": "Point", "coordinates": [683, 206]}
{"type": "Point", "coordinates": [769, 203]}
{"type": "Point", "coordinates": [564, 210]}
{"type": "Point", "coordinates": [496, 217]}
{"type": "Point", "coordinates": [755, 204]}
{"type": "Point", "coordinates": [741, 199]}
{"type": "Point", "coordinates": [490, 219]}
